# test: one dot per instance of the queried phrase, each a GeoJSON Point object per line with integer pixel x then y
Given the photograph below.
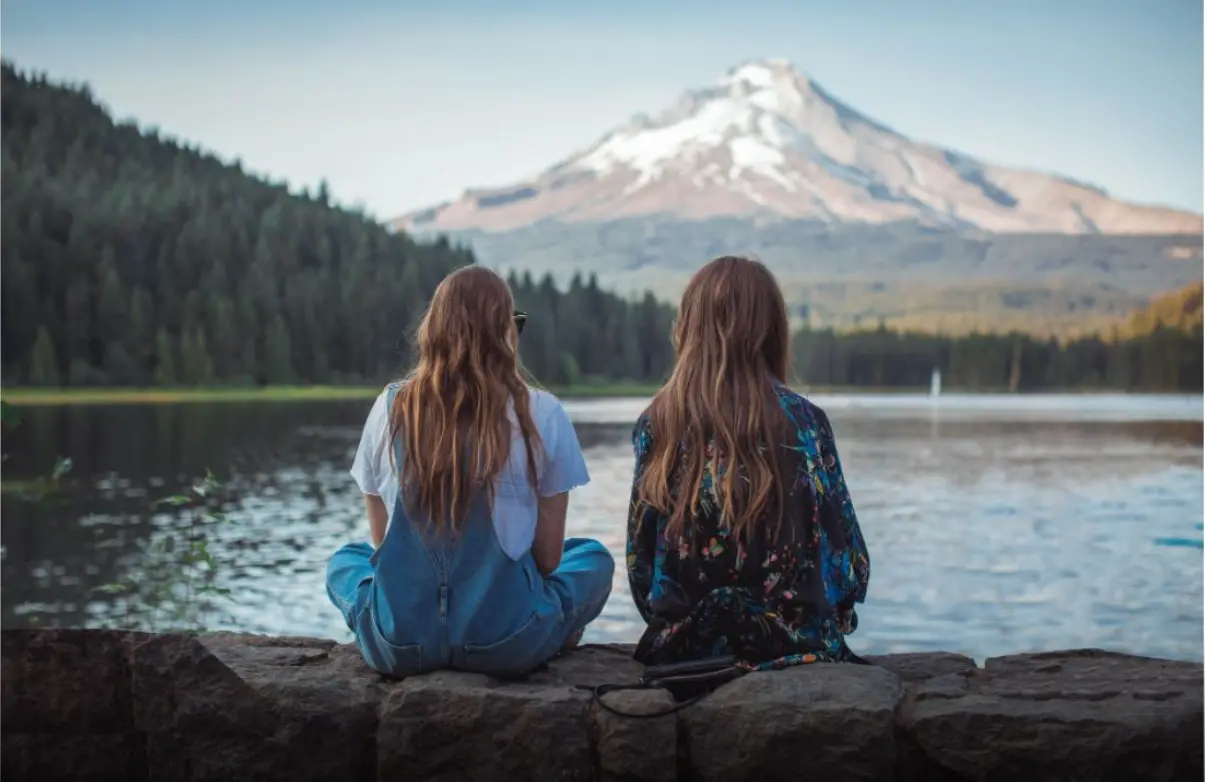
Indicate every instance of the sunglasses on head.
{"type": "Point", "coordinates": [520, 319]}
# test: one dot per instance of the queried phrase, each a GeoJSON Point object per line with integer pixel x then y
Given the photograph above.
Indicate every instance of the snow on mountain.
{"type": "Point", "coordinates": [767, 140]}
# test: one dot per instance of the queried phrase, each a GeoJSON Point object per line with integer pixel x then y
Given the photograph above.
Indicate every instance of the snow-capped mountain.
{"type": "Point", "coordinates": [767, 140]}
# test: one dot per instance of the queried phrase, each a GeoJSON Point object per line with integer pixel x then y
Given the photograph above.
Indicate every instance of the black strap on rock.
{"type": "Point", "coordinates": [710, 681]}
{"type": "Point", "coordinates": [850, 657]}
{"type": "Point", "coordinates": [686, 689]}
{"type": "Point", "coordinates": [598, 692]}
{"type": "Point", "coordinates": [686, 686]}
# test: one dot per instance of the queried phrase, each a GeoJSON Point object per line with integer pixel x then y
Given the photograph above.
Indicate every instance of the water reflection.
{"type": "Point", "coordinates": [995, 525]}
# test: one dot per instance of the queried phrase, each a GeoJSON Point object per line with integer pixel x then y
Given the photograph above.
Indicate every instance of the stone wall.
{"type": "Point", "coordinates": [108, 705]}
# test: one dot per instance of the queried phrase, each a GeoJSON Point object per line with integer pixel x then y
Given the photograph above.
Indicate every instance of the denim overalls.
{"type": "Point", "coordinates": [423, 602]}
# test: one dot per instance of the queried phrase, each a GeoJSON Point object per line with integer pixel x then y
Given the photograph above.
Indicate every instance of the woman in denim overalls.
{"type": "Point", "coordinates": [466, 474]}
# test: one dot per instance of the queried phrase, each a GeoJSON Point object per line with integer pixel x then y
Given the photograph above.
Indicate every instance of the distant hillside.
{"type": "Point", "coordinates": [1179, 310]}
{"type": "Point", "coordinates": [859, 221]}
{"type": "Point", "coordinates": [845, 276]}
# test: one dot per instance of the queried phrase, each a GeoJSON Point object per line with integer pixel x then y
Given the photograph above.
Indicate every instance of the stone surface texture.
{"type": "Point", "coordinates": [110, 705]}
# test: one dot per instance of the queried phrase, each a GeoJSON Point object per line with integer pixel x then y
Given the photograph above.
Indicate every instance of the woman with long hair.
{"type": "Point", "coordinates": [742, 539]}
{"type": "Point", "coordinates": [466, 474]}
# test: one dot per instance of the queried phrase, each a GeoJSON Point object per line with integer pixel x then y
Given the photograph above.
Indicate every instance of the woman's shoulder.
{"type": "Point", "coordinates": [385, 398]}
{"type": "Point", "coordinates": [383, 401]}
{"type": "Point", "coordinates": [642, 430]}
{"type": "Point", "coordinates": [541, 397]}
{"type": "Point", "coordinates": [545, 406]}
{"type": "Point", "coordinates": [803, 412]}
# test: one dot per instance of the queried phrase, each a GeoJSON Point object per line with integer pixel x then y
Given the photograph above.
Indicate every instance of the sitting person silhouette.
{"type": "Point", "coordinates": [742, 540]}
{"type": "Point", "coordinates": [466, 474]}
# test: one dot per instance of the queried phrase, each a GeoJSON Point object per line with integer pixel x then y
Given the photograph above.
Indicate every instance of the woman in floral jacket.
{"type": "Point", "coordinates": [742, 539]}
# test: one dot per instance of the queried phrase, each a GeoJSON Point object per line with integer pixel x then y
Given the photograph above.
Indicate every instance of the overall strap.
{"type": "Point", "coordinates": [437, 554]}
{"type": "Point", "coordinates": [390, 396]}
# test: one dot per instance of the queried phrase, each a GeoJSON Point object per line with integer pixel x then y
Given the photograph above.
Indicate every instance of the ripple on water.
{"type": "Point", "coordinates": [990, 532]}
{"type": "Point", "coordinates": [1180, 542]}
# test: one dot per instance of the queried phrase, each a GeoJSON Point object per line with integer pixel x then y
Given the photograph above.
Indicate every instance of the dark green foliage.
{"type": "Point", "coordinates": [132, 260]}
{"type": "Point", "coordinates": [587, 335]}
{"type": "Point", "coordinates": [43, 363]}
{"type": "Point", "coordinates": [1162, 360]}
{"type": "Point", "coordinates": [176, 585]}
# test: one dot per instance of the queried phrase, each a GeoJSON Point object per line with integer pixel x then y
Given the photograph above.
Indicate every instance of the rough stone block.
{"type": "Point", "coordinates": [88, 757]}
{"type": "Point", "coordinates": [273, 709]}
{"type": "Point", "coordinates": [454, 726]}
{"type": "Point", "coordinates": [810, 722]}
{"type": "Point", "coordinates": [919, 666]}
{"type": "Point", "coordinates": [105, 705]}
{"type": "Point", "coordinates": [65, 681]}
{"type": "Point", "coordinates": [630, 748]}
{"type": "Point", "coordinates": [1073, 715]}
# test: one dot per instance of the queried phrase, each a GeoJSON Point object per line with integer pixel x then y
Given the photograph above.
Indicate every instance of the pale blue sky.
{"type": "Point", "coordinates": [401, 104]}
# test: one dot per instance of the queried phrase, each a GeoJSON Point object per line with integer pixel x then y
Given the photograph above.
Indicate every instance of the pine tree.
{"type": "Point", "coordinates": [202, 365]}
{"type": "Point", "coordinates": [196, 368]}
{"type": "Point", "coordinates": [43, 363]}
{"type": "Point", "coordinates": [278, 353]}
{"type": "Point", "coordinates": [111, 305]}
{"type": "Point", "coordinates": [165, 366]}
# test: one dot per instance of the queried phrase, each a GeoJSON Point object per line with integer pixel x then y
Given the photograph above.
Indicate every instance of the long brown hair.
{"type": "Point", "coordinates": [453, 409]}
{"type": "Point", "coordinates": [732, 340]}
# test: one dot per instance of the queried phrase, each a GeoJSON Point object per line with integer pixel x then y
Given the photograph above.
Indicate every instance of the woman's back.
{"type": "Point", "coordinates": [466, 473]}
{"type": "Point", "coordinates": [488, 588]}
{"type": "Point", "coordinates": [559, 467]}
{"type": "Point", "coordinates": [784, 598]}
{"type": "Point", "coordinates": [742, 539]}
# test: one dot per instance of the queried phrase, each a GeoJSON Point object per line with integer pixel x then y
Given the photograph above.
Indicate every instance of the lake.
{"type": "Point", "coordinates": [995, 524]}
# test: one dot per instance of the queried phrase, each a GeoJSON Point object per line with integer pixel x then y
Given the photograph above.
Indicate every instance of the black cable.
{"type": "Point", "coordinates": [603, 689]}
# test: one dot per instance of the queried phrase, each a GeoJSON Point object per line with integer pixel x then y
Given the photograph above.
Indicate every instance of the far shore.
{"type": "Point", "coordinates": [47, 397]}
{"type": "Point", "coordinates": [30, 397]}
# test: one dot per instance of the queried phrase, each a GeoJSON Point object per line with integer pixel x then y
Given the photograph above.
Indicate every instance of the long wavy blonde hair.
{"type": "Point", "coordinates": [453, 410]}
{"type": "Point", "coordinates": [718, 413]}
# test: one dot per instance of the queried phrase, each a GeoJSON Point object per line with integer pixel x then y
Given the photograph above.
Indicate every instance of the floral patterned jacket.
{"type": "Point", "coordinates": [770, 603]}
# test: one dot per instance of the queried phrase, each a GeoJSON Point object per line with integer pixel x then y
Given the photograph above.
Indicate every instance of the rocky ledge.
{"type": "Point", "coordinates": [100, 705]}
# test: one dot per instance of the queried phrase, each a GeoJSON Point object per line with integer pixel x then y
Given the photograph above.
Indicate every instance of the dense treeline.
{"type": "Point", "coordinates": [1163, 359]}
{"type": "Point", "coordinates": [585, 334]}
{"type": "Point", "coordinates": [130, 259]}
{"type": "Point", "coordinates": [1158, 348]}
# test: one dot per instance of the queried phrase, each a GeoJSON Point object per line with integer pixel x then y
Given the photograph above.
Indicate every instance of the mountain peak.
{"type": "Point", "coordinates": [770, 85]}
{"type": "Point", "coordinates": [767, 140]}
{"type": "Point", "coordinates": [761, 73]}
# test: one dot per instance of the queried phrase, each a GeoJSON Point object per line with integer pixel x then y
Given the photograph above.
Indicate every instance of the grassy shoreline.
{"type": "Point", "coordinates": [35, 397]}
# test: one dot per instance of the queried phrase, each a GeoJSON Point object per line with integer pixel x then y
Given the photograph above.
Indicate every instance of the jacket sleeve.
{"type": "Point", "coordinates": [856, 568]}
{"type": "Point", "coordinates": [642, 528]}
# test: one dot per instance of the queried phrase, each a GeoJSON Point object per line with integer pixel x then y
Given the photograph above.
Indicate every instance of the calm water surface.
{"type": "Point", "coordinates": [995, 524]}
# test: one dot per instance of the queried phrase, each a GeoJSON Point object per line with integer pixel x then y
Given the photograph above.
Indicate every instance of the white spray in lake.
{"type": "Point", "coordinates": [935, 384]}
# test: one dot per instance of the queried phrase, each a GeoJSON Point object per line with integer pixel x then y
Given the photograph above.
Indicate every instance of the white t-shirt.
{"type": "Point", "coordinates": [561, 468]}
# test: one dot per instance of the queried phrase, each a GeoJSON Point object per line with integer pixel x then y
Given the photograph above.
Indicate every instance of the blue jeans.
{"type": "Point", "coordinates": [572, 597]}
